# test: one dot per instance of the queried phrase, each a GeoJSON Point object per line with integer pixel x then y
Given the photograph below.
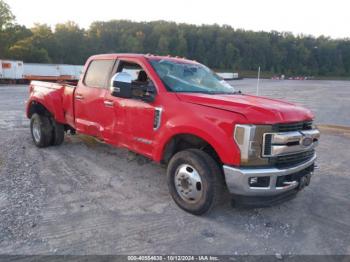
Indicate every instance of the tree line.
{"type": "Point", "coordinates": [220, 47]}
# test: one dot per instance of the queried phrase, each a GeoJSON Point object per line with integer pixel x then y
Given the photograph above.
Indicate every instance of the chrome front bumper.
{"type": "Point", "coordinates": [237, 179]}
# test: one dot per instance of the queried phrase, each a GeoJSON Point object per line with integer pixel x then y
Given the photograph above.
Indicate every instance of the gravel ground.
{"type": "Point", "coordinates": [85, 197]}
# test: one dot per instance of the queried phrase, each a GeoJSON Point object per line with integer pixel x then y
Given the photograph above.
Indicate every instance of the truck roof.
{"type": "Point", "coordinates": [147, 56]}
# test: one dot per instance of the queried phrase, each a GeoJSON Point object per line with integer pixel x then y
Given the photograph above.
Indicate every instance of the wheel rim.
{"type": "Point", "coordinates": [36, 131]}
{"type": "Point", "coordinates": [188, 183]}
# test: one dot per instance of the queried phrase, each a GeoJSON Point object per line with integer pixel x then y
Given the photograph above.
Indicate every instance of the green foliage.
{"type": "Point", "coordinates": [6, 19]}
{"type": "Point", "coordinates": [70, 44]}
{"type": "Point", "coordinates": [220, 47]}
{"type": "Point", "coordinates": [6, 16]}
{"type": "Point", "coordinates": [27, 51]}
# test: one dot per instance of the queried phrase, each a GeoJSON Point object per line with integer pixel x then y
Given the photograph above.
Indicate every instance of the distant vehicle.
{"type": "Point", "coordinates": [19, 72]}
{"type": "Point", "coordinates": [179, 113]}
{"type": "Point", "coordinates": [228, 76]}
{"type": "Point", "coordinates": [282, 77]}
{"type": "Point", "coordinates": [11, 70]}
{"type": "Point", "coordinates": [51, 72]}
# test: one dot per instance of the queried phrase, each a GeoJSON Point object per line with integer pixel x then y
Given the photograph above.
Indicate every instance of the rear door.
{"type": "Point", "coordinates": [90, 95]}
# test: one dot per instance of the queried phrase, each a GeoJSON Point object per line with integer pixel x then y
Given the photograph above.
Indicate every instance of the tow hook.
{"type": "Point", "coordinates": [305, 181]}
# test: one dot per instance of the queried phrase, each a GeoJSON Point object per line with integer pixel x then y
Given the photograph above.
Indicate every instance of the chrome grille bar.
{"type": "Point", "coordinates": [277, 144]}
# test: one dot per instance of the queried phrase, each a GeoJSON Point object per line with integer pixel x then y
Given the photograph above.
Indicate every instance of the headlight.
{"type": "Point", "coordinates": [249, 139]}
{"type": "Point", "coordinates": [244, 137]}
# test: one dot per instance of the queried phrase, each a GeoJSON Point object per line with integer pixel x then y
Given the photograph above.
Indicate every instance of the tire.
{"type": "Point", "coordinates": [41, 130]}
{"type": "Point", "coordinates": [204, 178]}
{"type": "Point", "coordinates": [57, 134]}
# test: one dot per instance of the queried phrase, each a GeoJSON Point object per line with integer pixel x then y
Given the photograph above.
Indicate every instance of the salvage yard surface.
{"type": "Point", "coordinates": [85, 197]}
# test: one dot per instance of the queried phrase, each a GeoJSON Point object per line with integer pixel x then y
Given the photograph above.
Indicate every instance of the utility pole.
{"type": "Point", "coordinates": [257, 84]}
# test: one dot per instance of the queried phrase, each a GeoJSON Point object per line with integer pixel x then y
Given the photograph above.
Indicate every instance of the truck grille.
{"type": "Point", "coordinates": [297, 126]}
{"type": "Point", "coordinates": [291, 160]}
{"type": "Point", "coordinates": [267, 148]}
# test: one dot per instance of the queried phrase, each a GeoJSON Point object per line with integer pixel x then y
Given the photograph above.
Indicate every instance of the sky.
{"type": "Point", "coordinates": [309, 17]}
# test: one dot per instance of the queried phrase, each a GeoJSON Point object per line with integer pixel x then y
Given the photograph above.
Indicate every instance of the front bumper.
{"type": "Point", "coordinates": [237, 179]}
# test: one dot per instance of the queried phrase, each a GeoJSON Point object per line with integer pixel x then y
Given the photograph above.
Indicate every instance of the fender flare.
{"type": "Point", "coordinates": [227, 152]}
{"type": "Point", "coordinates": [51, 103]}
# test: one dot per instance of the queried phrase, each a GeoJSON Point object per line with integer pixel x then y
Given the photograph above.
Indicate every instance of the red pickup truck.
{"type": "Point", "coordinates": [179, 113]}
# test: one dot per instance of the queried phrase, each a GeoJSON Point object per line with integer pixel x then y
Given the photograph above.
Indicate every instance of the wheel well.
{"type": "Point", "coordinates": [186, 141]}
{"type": "Point", "coordinates": [38, 108]}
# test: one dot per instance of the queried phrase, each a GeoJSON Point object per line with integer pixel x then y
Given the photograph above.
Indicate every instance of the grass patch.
{"type": "Point", "coordinates": [254, 74]}
{"type": "Point", "coordinates": [340, 78]}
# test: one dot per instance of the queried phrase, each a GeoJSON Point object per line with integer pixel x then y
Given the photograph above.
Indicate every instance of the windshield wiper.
{"type": "Point", "coordinates": [226, 93]}
{"type": "Point", "coordinates": [209, 92]}
{"type": "Point", "coordinates": [197, 92]}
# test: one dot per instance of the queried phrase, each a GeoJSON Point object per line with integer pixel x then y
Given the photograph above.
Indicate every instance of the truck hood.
{"type": "Point", "coordinates": [257, 110]}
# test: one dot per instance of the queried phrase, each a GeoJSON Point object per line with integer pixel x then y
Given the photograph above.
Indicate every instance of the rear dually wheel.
{"type": "Point", "coordinates": [41, 130]}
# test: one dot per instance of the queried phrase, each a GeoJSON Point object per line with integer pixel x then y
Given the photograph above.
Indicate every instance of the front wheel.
{"type": "Point", "coordinates": [195, 181]}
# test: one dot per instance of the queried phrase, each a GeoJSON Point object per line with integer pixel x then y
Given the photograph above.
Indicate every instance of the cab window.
{"type": "Point", "coordinates": [138, 74]}
{"type": "Point", "coordinates": [98, 73]}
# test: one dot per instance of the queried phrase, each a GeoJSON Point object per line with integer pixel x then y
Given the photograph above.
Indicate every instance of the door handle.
{"type": "Point", "coordinates": [79, 97]}
{"type": "Point", "coordinates": [108, 103]}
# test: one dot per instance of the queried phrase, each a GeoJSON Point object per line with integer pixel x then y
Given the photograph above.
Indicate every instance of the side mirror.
{"type": "Point", "coordinates": [121, 85]}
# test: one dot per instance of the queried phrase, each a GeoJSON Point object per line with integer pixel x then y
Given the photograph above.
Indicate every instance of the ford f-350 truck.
{"type": "Point", "coordinates": [179, 113]}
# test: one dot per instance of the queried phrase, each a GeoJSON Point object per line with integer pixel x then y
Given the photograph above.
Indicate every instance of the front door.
{"type": "Point", "coordinates": [131, 121]}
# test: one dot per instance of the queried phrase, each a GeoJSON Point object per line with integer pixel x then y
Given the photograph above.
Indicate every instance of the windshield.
{"type": "Point", "coordinates": [180, 76]}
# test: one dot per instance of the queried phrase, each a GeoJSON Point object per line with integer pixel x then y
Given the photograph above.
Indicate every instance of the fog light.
{"type": "Point", "coordinates": [259, 181]}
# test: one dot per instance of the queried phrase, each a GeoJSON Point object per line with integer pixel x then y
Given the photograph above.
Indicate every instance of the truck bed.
{"type": "Point", "coordinates": [57, 97]}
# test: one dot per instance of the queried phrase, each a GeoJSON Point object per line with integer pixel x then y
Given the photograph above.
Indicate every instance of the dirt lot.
{"type": "Point", "coordinates": [85, 197]}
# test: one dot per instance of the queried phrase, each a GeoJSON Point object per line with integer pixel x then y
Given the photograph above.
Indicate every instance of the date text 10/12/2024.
{"type": "Point", "coordinates": [173, 258]}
